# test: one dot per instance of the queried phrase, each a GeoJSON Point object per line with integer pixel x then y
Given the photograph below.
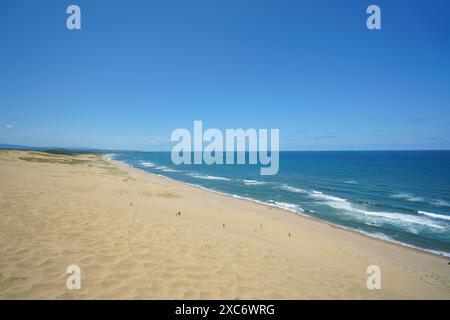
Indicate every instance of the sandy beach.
{"type": "Point", "coordinates": [139, 236]}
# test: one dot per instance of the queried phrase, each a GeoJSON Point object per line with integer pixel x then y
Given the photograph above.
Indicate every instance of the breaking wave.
{"type": "Point", "coordinates": [292, 189]}
{"type": "Point", "coordinates": [434, 215]}
{"type": "Point", "coordinates": [206, 177]}
{"type": "Point", "coordinates": [253, 182]}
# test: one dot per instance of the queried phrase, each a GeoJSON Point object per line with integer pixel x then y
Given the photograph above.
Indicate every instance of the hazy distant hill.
{"type": "Point", "coordinates": [53, 149]}
{"type": "Point", "coordinates": [19, 147]}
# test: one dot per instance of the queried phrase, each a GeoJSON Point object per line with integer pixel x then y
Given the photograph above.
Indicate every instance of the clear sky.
{"type": "Point", "coordinates": [139, 69]}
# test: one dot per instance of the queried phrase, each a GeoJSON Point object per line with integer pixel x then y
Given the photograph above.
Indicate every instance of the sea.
{"type": "Point", "coordinates": [397, 196]}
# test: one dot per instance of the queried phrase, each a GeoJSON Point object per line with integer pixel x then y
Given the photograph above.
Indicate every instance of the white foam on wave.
{"type": "Point", "coordinates": [403, 220]}
{"type": "Point", "coordinates": [323, 196]}
{"type": "Point", "coordinates": [434, 215]}
{"type": "Point", "coordinates": [207, 177]}
{"type": "Point", "coordinates": [147, 164]}
{"type": "Point", "coordinates": [170, 170]}
{"type": "Point", "coordinates": [413, 198]}
{"type": "Point", "coordinates": [407, 197]}
{"type": "Point", "coordinates": [292, 189]}
{"type": "Point", "coordinates": [111, 156]}
{"type": "Point", "coordinates": [382, 236]}
{"type": "Point", "coordinates": [286, 206]}
{"type": "Point", "coordinates": [253, 182]}
{"type": "Point", "coordinates": [440, 203]}
{"type": "Point", "coordinates": [351, 182]}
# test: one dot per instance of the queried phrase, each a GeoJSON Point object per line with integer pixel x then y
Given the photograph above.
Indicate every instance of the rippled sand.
{"type": "Point", "coordinates": [122, 228]}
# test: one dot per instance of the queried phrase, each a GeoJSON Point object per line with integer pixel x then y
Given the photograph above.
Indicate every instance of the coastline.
{"type": "Point", "coordinates": [305, 214]}
{"type": "Point", "coordinates": [137, 235]}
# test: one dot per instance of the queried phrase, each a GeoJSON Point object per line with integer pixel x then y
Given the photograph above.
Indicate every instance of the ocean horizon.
{"type": "Point", "coordinates": [398, 196]}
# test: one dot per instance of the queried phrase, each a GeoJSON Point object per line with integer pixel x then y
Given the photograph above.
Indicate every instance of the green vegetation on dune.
{"type": "Point", "coordinates": [70, 152]}
{"type": "Point", "coordinates": [55, 160]}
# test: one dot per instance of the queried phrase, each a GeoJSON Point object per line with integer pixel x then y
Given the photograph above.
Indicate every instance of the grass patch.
{"type": "Point", "coordinates": [168, 194]}
{"type": "Point", "coordinates": [55, 160]}
{"type": "Point", "coordinates": [68, 152]}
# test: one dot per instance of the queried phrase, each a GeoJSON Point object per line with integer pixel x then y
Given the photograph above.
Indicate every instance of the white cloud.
{"type": "Point", "coordinates": [8, 126]}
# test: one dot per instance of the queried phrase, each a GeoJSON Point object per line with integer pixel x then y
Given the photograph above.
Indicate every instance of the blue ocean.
{"type": "Point", "coordinates": [399, 196]}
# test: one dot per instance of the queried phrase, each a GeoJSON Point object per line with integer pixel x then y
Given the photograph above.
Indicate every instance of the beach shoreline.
{"type": "Point", "coordinates": [137, 235]}
{"type": "Point", "coordinates": [124, 165]}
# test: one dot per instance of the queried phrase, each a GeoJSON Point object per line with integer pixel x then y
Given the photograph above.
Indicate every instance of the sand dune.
{"type": "Point", "coordinates": [121, 227]}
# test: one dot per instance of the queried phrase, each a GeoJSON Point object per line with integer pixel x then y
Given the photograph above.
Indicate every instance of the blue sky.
{"type": "Point", "coordinates": [139, 69]}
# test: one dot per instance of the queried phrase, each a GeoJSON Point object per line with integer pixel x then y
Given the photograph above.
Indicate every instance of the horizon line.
{"type": "Point", "coordinates": [5, 146]}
